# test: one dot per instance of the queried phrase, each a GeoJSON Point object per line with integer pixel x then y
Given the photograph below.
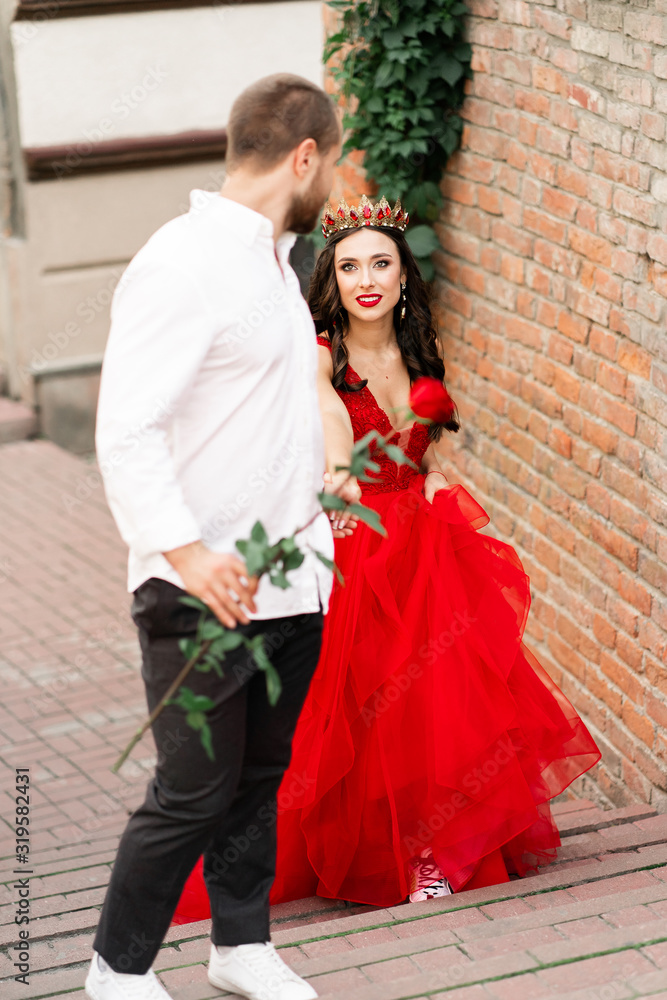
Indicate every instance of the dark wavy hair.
{"type": "Point", "coordinates": [416, 336]}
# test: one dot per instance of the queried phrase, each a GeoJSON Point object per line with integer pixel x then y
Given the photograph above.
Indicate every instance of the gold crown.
{"type": "Point", "coordinates": [365, 214]}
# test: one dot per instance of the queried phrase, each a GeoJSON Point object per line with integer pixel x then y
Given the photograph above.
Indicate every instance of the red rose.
{"type": "Point", "coordinates": [430, 399]}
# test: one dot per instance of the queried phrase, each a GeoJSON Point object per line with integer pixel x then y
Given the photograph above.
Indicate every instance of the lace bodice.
{"type": "Point", "coordinates": [366, 414]}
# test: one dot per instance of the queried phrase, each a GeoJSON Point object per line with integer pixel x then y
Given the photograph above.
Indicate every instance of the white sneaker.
{"type": "Point", "coordinates": [102, 983]}
{"type": "Point", "coordinates": [426, 879]}
{"type": "Point", "coordinates": [256, 971]}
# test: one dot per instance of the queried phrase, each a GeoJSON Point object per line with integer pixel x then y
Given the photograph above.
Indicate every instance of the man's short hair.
{"type": "Point", "coordinates": [273, 116]}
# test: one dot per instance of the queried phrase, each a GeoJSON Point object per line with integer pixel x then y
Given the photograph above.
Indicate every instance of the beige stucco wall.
{"type": "Point", "coordinates": [76, 82]}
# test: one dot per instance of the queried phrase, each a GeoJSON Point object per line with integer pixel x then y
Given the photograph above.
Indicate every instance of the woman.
{"type": "Point", "coordinates": [431, 740]}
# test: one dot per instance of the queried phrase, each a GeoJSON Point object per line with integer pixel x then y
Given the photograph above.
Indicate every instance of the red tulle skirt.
{"type": "Point", "coordinates": [428, 723]}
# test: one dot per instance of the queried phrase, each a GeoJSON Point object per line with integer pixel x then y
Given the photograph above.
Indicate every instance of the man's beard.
{"type": "Point", "coordinates": [304, 212]}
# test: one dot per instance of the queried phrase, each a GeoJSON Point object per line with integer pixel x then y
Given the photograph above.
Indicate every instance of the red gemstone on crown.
{"type": "Point", "coordinates": [367, 211]}
{"type": "Point", "coordinates": [399, 215]}
{"type": "Point", "coordinates": [329, 219]}
{"type": "Point", "coordinates": [380, 213]}
{"type": "Point", "coordinates": [353, 215]}
{"type": "Point", "coordinates": [341, 212]}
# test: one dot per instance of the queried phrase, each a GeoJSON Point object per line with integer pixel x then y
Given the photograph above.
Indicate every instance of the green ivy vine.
{"type": "Point", "coordinates": [401, 69]}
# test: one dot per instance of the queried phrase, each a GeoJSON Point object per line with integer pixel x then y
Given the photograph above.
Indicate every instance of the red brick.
{"type": "Point", "coordinates": [635, 207]}
{"type": "Point", "coordinates": [590, 247]}
{"type": "Point", "coordinates": [532, 103]}
{"type": "Point", "coordinates": [510, 238]}
{"type": "Point", "coordinates": [573, 327]}
{"type": "Point", "coordinates": [574, 181]}
{"type": "Point", "coordinates": [542, 167]}
{"type": "Point", "coordinates": [473, 168]}
{"type": "Point", "coordinates": [564, 116]}
{"type": "Point", "coordinates": [459, 190]}
{"type": "Point", "coordinates": [622, 416]}
{"type": "Point", "coordinates": [558, 203]}
{"type": "Point", "coordinates": [511, 67]}
{"type": "Point", "coordinates": [586, 97]}
{"type": "Point", "coordinates": [638, 724]}
{"type": "Point", "coordinates": [492, 36]}
{"type": "Point", "coordinates": [556, 258]}
{"type": "Point", "coordinates": [560, 442]}
{"type": "Point", "coordinates": [460, 244]}
{"type": "Point", "coordinates": [595, 973]}
{"type": "Point", "coordinates": [608, 286]}
{"type": "Point", "coordinates": [551, 229]}
{"type": "Point", "coordinates": [387, 971]}
{"type": "Point", "coordinates": [490, 200]}
{"type": "Point", "coordinates": [548, 78]}
{"type": "Point", "coordinates": [612, 379]}
{"type": "Point", "coordinates": [657, 247]}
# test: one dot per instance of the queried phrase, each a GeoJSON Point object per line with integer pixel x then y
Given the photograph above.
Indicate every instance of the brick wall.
{"type": "Point", "coordinates": [552, 286]}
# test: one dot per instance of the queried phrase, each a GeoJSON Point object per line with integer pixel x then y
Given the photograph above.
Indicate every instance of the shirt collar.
{"type": "Point", "coordinates": [250, 226]}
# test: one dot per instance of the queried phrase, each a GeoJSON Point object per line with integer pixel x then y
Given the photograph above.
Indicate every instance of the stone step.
{"type": "Point", "coordinates": [589, 820]}
{"type": "Point", "coordinates": [455, 941]}
{"type": "Point", "coordinates": [361, 964]}
{"type": "Point", "coordinates": [623, 882]}
{"type": "Point", "coordinates": [548, 961]}
{"type": "Point", "coordinates": [67, 895]}
{"type": "Point", "coordinates": [485, 937]}
{"type": "Point", "coordinates": [612, 839]}
{"type": "Point", "coordinates": [17, 421]}
{"type": "Point", "coordinates": [563, 806]}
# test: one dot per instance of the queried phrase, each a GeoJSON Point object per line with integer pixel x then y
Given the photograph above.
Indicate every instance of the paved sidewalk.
{"type": "Point", "coordinates": [591, 927]}
{"type": "Point", "coordinates": [69, 657]}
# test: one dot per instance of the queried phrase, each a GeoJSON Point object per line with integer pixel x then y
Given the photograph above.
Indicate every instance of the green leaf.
{"type": "Point", "coordinates": [211, 629]}
{"type": "Point", "coordinates": [452, 70]}
{"type": "Point", "coordinates": [330, 564]}
{"type": "Point", "coordinates": [393, 38]}
{"type": "Point", "coordinates": [254, 554]}
{"type": "Point", "coordinates": [330, 501]}
{"type": "Point", "coordinates": [397, 455]}
{"type": "Point", "coordinates": [274, 685]}
{"type": "Point", "coordinates": [385, 74]}
{"type": "Point", "coordinates": [278, 579]}
{"type": "Point", "coordinates": [260, 656]}
{"type": "Point", "coordinates": [374, 105]}
{"type": "Point", "coordinates": [191, 702]}
{"type": "Point", "coordinates": [422, 240]}
{"type": "Point", "coordinates": [202, 703]}
{"type": "Point", "coordinates": [188, 648]}
{"type": "Point", "coordinates": [213, 663]}
{"type": "Point", "coordinates": [207, 741]}
{"type": "Point", "coordinates": [258, 533]}
{"type": "Point", "coordinates": [293, 560]}
{"type": "Point", "coordinates": [427, 269]}
{"type": "Point", "coordinates": [193, 602]}
{"type": "Point", "coordinates": [195, 720]}
{"type": "Point", "coordinates": [369, 517]}
{"type": "Point", "coordinates": [288, 544]}
{"type": "Point", "coordinates": [230, 639]}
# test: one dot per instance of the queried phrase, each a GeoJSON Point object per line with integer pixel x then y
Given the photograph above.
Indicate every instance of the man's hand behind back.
{"type": "Point", "coordinates": [219, 579]}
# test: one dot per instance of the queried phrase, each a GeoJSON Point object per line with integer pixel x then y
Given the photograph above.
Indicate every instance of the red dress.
{"type": "Point", "coordinates": [428, 723]}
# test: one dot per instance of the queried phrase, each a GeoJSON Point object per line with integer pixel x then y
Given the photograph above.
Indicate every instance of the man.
{"type": "Point", "coordinates": [208, 421]}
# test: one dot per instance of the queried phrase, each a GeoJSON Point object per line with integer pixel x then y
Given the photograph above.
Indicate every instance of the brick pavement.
{"type": "Point", "coordinates": [591, 927]}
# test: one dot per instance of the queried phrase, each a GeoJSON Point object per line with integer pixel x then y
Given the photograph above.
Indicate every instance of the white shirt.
{"type": "Point", "coordinates": [208, 417]}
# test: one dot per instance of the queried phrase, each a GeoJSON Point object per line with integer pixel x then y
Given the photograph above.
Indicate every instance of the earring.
{"type": "Point", "coordinates": [402, 301]}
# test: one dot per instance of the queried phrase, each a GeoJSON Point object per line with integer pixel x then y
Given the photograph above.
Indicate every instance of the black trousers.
{"type": "Point", "coordinates": [225, 809]}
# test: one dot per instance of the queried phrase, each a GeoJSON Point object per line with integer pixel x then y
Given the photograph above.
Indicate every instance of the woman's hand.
{"type": "Point", "coordinates": [433, 482]}
{"type": "Point", "coordinates": [349, 489]}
